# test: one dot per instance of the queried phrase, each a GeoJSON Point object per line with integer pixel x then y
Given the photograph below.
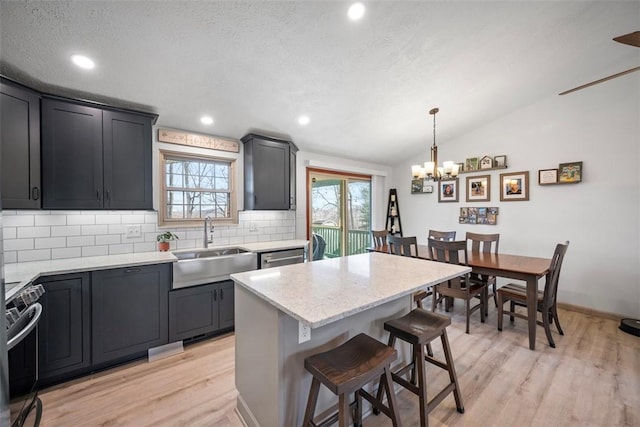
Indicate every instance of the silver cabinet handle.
{"type": "Point", "coordinates": [32, 324]}
{"type": "Point", "coordinates": [269, 260]}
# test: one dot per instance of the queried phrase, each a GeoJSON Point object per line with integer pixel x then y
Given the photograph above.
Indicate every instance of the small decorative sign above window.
{"type": "Point", "coordinates": [196, 140]}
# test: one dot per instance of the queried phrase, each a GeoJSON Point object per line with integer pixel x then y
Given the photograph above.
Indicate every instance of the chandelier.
{"type": "Point", "coordinates": [430, 169]}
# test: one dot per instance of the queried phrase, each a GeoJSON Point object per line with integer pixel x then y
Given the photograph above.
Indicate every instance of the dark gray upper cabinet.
{"type": "Point", "coordinates": [130, 310]}
{"type": "Point", "coordinates": [269, 173]}
{"type": "Point", "coordinates": [95, 158]}
{"type": "Point", "coordinates": [127, 161]}
{"type": "Point", "coordinates": [72, 156]}
{"type": "Point", "coordinates": [20, 144]}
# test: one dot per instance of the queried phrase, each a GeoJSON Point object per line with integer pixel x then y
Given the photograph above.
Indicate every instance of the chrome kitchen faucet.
{"type": "Point", "coordinates": [208, 239]}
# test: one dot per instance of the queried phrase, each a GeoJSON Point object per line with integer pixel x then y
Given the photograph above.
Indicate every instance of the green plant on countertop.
{"type": "Point", "coordinates": [167, 236]}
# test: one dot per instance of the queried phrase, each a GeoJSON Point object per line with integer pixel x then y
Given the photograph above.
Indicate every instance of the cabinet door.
{"type": "Point", "coordinates": [129, 310]}
{"type": "Point", "coordinates": [193, 311]}
{"type": "Point", "coordinates": [127, 161]}
{"type": "Point", "coordinates": [226, 304]}
{"type": "Point", "coordinates": [267, 174]}
{"type": "Point", "coordinates": [72, 156]}
{"type": "Point", "coordinates": [64, 328]}
{"type": "Point", "coordinates": [20, 141]}
{"type": "Point", "coordinates": [292, 179]}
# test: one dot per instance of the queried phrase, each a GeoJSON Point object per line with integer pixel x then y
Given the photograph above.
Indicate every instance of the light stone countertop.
{"type": "Point", "coordinates": [320, 292]}
{"type": "Point", "coordinates": [19, 275]}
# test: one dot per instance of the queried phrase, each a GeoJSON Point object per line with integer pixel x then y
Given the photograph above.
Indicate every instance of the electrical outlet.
{"type": "Point", "coordinates": [304, 333]}
{"type": "Point", "coordinates": [133, 231]}
{"type": "Point", "coordinates": [253, 227]}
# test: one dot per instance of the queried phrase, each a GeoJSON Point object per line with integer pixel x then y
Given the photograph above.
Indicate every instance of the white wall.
{"type": "Point", "coordinates": [599, 216]}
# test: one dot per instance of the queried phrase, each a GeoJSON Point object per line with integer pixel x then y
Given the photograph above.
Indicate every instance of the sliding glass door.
{"type": "Point", "coordinates": [339, 213]}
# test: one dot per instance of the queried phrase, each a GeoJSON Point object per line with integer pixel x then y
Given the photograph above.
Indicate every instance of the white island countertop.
{"type": "Point", "coordinates": [320, 292]}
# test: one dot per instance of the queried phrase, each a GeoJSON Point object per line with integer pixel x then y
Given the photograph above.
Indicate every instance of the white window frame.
{"type": "Point", "coordinates": [191, 222]}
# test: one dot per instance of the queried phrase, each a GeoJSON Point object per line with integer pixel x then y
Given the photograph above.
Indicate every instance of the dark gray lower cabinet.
{"type": "Point", "coordinates": [200, 310]}
{"type": "Point", "coordinates": [64, 329]}
{"type": "Point", "coordinates": [129, 310]}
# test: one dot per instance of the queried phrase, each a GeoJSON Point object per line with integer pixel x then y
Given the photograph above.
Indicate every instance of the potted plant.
{"type": "Point", "coordinates": [164, 239]}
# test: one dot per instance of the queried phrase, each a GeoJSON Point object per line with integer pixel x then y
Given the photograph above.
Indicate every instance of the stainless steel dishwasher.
{"type": "Point", "coordinates": [280, 258]}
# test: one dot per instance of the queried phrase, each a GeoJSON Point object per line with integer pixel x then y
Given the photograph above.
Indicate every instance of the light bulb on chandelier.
{"type": "Point", "coordinates": [431, 170]}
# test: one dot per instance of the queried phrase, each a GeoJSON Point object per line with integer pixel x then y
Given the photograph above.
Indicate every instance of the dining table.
{"type": "Point", "coordinates": [519, 267]}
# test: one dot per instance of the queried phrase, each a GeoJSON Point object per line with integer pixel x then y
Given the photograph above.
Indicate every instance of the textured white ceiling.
{"type": "Point", "coordinates": [367, 86]}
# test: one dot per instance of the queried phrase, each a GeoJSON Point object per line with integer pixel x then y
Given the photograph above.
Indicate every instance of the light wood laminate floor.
{"type": "Point", "coordinates": [592, 378]}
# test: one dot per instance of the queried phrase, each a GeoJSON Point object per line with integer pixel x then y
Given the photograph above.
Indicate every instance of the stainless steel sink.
{"type": "Point", "coordinates": [208, 253]}
{"type": "Point", "coordinates": [196, 267]}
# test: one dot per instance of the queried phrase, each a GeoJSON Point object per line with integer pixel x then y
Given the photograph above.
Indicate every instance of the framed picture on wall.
{"type": "Point", "coordinates": [448, 191]}
{"type": "Point", "coordinates": [471, 164]}
{"type": "Point", "coordinates": [479, 188]}
{"type": "Point", "coordinates": [514, 187]}
{"type": "Point", "coordinates": [570, 172]}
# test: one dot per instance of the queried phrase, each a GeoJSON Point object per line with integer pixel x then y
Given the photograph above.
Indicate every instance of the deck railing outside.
{"type": "Point", "coordinates": [357, 240]}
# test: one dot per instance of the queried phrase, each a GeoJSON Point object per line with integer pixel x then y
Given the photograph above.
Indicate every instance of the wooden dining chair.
{"type": "Point", "coordinates": [486, 243]}
{"type": "Point", "coordinates": [449, 236]}
{"type": "Point", "coordinates": [379, 238]}
{"type": "Point", "coordinates": [397, 245]}
{"type": "Point", "coordinates": [546, 304]}
{"type": "Point", "coordinates": [461, 286]}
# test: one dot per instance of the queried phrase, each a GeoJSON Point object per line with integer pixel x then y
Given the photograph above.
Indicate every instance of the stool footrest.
{"type": "Point", "coordinates": [436, 362]}
{"type": "Point", "coordinates": [376, 403]}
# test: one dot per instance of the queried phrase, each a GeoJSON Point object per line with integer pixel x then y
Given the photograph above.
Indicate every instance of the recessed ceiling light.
{"type": "Point", "coordinates": [206, 120]}
{"type": "Point", "coordinates": [83, 62]}
{"type": "Point", "coordinates": [303, 120]}
{"type": "Point", "coordinates": [356, 11]}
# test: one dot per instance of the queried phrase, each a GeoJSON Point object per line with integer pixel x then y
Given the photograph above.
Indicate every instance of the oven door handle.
{"type": "Point", "coordinates": [270, 260]}
{"type": "Point", "coordinates": [37, 307]}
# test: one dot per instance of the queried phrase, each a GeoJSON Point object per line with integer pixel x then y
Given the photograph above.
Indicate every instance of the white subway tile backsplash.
{"type": "Point", "coordinates": [121, 249]}
{"type": "Point", "coordinates": [144, 247]}
{"type": "Point", "coordinates": [42, 235]}
{"type": "Point", "coordinates": [51, 242]}
{"type": "Point", "coordinates": [35, 255]}
{"type": "Point", "coordinates": [133, 219]}
{"type": "Point", "coordinates": [18, 244]}
{"type": "Point", "coordinates": [9, 233]}
{"type": "Point", "coordinates": [10, 257]}
{"type": "Point", "coordinates": [95, 250]}
{"type": "Point", "coordinates": [116, 229]}
{"type": "Point", "coordinates": [30, 232]}
{"type": "Point", "coordinates": [81, 241]}
{"type": "Point", "coordinates": [94, 229]}
{"type": "Point", "coordinates": [61, 253]}
{"type": "Point", "coordinates": [18, 221]}
{"type": "Point", "coordinates": [108, 219]}
{"type": "Point", "coordinates": [108, 239]}
{"type": "Point", "coordinates": [66, 230]}
{"type": "Point", "coordinates": [50, 220]}
{"type": "Point", "coordinates": [85, 219]}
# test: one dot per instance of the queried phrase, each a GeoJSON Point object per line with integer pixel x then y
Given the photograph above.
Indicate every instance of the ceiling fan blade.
{"type": "Point", "coordinates": [632, 39]}
{"type": "Point", "coordinates": [595, 82]}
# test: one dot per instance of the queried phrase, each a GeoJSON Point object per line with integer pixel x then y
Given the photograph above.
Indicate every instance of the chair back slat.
{"type": "Point", "coordinates": [452, 253]}
{"type": "Point", "coordinates": [551, 287]}
{"type": "Point", "coordinates": [379, 238]}
{"type": "Point", "coordinates": [397, 245]}
{"type": "Point", "coordinates": [442, 235]}
{"type": "Point", "coordinates": [484, 242]}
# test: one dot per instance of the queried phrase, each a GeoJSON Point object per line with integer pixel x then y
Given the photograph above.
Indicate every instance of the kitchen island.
{"type": "Point", "coordinates": [286, 314]}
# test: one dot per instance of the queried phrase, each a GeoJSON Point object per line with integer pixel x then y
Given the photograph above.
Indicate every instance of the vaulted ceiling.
{"type": "Point", "coordinates": [367, 86]}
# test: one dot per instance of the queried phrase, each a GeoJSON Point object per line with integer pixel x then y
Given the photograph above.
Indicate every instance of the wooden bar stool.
{"type": "Point", "coordinates": [419, 327]}
{"type": "Point", "coordinates": [347, 369]}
